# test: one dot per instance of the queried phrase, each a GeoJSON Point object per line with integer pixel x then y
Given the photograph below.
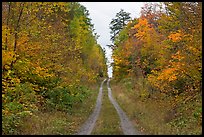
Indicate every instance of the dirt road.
{"type": "Point", "coordinates": [88, 126]}
{"type": "Point", "coordinates": [126, 124]}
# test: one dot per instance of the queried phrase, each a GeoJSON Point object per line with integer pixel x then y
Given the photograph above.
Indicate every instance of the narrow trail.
{"type": "Point", "coordinates": [88, 126]}
{"type": "Point", "coordinates": [126, 124]}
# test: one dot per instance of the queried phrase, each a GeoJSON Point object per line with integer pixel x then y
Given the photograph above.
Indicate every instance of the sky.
{"type": "Point", "coordinates": [101, 14]}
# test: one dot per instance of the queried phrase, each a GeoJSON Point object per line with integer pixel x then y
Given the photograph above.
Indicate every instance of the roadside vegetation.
{"type": "Point", "coordinates": [58, 122]}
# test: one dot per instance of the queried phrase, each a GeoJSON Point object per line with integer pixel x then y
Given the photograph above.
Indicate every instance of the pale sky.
{"type": "Point", "coordinates": [102, 13]}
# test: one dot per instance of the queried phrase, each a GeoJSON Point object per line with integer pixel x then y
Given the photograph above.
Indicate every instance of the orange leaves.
{"type": "Point", "coordinates": [140, 34]}
{"type": "Point", "coordinates": [176, 37]}
{"type": "Point", "coordinates": [142, 23]}
{"type": "Point", "coordinates": [177, 61]}
{"type": "Point", "coordinates": [168, 74]}
{"type": "Point", "coordinates": [162, 79]}
{"type": "Point", "coordinates": [172, 73]}
{"type": "Point", "coordinates": [167, 49]}
{"type": "Point", "coordinates": [142, 28]}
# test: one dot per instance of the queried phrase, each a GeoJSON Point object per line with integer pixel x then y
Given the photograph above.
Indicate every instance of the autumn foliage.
{"type": "Point", "coordinates": [49, 58]}
{"type": "Point", "coordinates": [164, 47]}
{"type": "Point", "coordinates": [165, 51]}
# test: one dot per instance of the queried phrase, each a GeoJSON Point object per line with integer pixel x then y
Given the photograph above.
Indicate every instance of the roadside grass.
{"type": "Point", "coordinates": [58, 122]}
{"type": "Point", "coordinates": [108, 122]}
{"type": "Point", "coordinates": [155, 115]}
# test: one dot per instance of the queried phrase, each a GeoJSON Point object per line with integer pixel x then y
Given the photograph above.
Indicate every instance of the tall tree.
{"type": "Point", "coordinates": [118, 23]}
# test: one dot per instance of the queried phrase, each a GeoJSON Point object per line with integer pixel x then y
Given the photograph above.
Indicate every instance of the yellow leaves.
{"type": "Point", "coordinates": [5, 33]}
{"type": "Point", "coordinates": [32, 50]}
{"type": "Point", "coordinates": [21, 44]}
{"type": "Point", "coordinates": [176, 37]}
{"type": "Point", "coordinates": [7, 38]}
{"type": "Point", "coordinates": [178, 62]}
{"type": "Point", "coordinates": [42, 72]}
{"type": "Point", "coordinates": [172, 77]}
{"type": "Point", "coordinates": [193, 49]}
{"type": "Point", "coordinates": [35, 87]}
{"type": "Point", "coordinates": [117, 68]}
{"type": "Point", "coordinates": [140, 34]}
{"type": "Point", "coordinates": [62, 6]}
{"type": "Point", "coordinates": [117, 61]}
{"type": "Point", "coordinates": [51, 8]}
{"type": "Point", "coordinates": [16, 81]}
{"type": "Point", "coordinates": [7, 57]}
{"type": "Point", "coordinates": [23, 39]}
{"type": "Point", "coordinates": [153, 80]}
{"type": "Point", "coordinates": [27, 112]}
{"type": "Point", "coordinates": [9, 82]}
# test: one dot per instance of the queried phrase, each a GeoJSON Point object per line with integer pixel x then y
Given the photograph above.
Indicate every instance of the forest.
{"type": "Point", "coordinates": [52, 67]}
{"type": "Point", "coordinates": [50, 58]}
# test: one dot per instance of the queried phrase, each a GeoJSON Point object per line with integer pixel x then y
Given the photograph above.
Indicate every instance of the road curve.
{"type": "Point", "coordinates": [126, 125]}
{"type": "Point", "coordinates": [88, 126]}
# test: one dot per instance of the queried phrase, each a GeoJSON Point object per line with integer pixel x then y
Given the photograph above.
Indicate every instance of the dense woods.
{"type": "Point", "coordinates": [52, 66]}
{"type": "Point", "coordinates": [50, 57]}
{"type": "Point", "coordinates": [161, 52]}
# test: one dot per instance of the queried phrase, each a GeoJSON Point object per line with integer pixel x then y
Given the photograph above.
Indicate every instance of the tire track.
{"type": "Point", "coordinates": [88, 126]}
{"type": "Point", "coordinates": [126, 125]}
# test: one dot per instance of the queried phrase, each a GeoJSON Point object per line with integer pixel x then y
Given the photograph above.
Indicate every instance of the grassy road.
{"type": "Point", "coordinates": [108, 122]}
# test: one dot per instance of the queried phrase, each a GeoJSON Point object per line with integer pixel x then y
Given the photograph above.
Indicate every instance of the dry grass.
{"type": "Point", "coordinates": [143, 113]}
{"type": "Point", "coordinates": [153, 115]}
{"type": "Point", "coordinates": [48, 123]}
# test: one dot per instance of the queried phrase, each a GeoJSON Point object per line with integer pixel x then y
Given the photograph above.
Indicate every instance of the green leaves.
{"type": "Point", "coordinates": [118, 23]}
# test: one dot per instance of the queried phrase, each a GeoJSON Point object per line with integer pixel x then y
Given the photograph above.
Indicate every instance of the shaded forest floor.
{"type": "Point", "coordinates": [158, 114]}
